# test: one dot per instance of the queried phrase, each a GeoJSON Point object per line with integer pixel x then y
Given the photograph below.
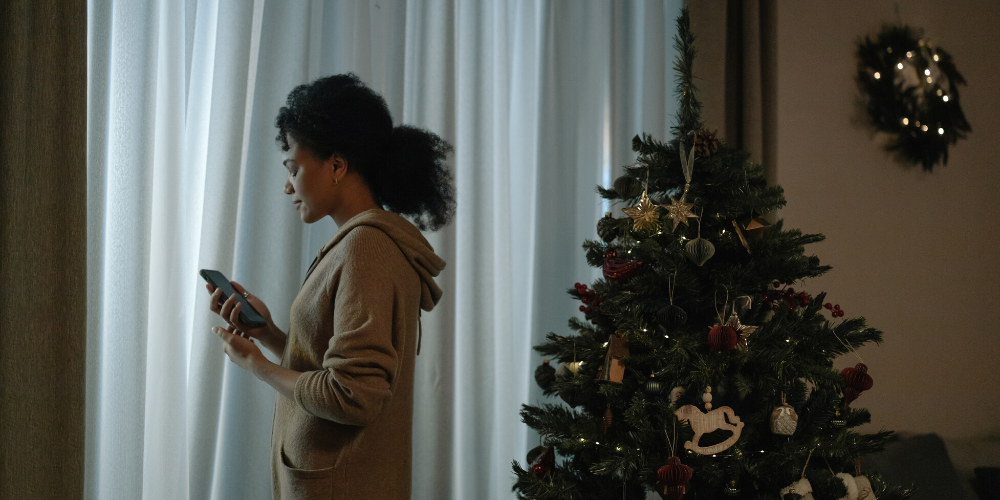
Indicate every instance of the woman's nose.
{"type": "Point", "coordinates": [288, 187]}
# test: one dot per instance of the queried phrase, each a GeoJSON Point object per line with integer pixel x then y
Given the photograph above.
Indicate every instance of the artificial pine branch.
{"type": "Point", "coordinates": [689, 112]}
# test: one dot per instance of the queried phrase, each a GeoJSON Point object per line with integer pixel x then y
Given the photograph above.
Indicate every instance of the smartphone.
{"type": "Point", "coordinates": [248, 315]}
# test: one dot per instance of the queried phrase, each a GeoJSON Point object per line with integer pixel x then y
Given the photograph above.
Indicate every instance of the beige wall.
{"type": "Point", "coordinates": [913, 252]}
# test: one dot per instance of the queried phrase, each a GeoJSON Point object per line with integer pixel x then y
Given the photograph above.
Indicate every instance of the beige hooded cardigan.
{"type": "Point", "coordinates": [353, 334]}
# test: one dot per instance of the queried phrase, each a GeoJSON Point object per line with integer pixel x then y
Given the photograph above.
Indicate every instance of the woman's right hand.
{"type": "Point", "coordinates": [230, 311]}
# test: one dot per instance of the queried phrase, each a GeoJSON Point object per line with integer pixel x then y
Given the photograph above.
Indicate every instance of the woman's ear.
{"type": "Point", "coordinates": [337, 165]}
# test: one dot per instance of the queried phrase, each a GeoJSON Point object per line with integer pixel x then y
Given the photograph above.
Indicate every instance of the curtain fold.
{"type": "Point", "coordinates": [539, 99]}
{"type": "Point", "coordinates": [737, 72]}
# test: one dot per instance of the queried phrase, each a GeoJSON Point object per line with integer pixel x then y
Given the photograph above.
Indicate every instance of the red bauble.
{"type": "Point", "coordinates": [618, 269]}
{"type": "Point", "coordinates": [857, 377]}
{"type": "Point", "coordinates": [673, 478]}
{"type": "Point", "coordinates": [544, 463]}
{"type": "Point", "coordinates": [722, 338]}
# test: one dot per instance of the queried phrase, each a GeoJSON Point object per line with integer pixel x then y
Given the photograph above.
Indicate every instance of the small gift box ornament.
{"type": "Point", "coordinates": [613, 370]}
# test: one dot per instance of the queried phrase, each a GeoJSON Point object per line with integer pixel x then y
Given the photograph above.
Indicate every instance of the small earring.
{"type": "Point", "coordinates": [335, 181]}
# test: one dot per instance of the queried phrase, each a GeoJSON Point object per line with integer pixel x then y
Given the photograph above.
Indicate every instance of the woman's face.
{"type": "Point", "coordinates": [310, 182]}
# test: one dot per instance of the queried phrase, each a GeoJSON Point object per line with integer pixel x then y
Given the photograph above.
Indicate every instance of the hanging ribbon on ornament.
{"type": "Point", "coordinates": [801, 489]}
{"type": "Point", "coordinates": [671, 317]}
{"type": "Point", "coordinates": [723, 337]}
{"type": "Point", "coordinates": [672, 478]}
{"type": "Point", "coordinates": [784, 420]}
{"type": "Point", "coordinates": [679, 210]}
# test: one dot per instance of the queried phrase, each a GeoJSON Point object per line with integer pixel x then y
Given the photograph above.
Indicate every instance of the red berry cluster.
{"type": "Point", "coordinates": [788, 295]}
{"type": "Point", "coordinates": [591, 300]}
{"type": "Point", "coordinates": [834, 309]}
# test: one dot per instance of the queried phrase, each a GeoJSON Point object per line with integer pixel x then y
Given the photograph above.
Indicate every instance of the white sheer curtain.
{"type": "Point", "coordinates": [540, 99]}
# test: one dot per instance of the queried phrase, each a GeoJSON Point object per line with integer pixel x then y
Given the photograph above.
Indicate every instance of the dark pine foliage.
{"type": "Point", "coordinates": [792, 351]}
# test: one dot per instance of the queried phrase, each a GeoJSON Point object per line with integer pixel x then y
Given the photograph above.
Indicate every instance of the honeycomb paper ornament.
{"type": "Point", "coordinates": [672, 317]}
{"type": "Point", "coordinates": [857, 377]}
{"type": "Point", "coordinates": [653, 386]}
{"type": "Point", "coordinates": [723, 338]}
{"type": "Point", "coordinates": [699, 250]}
{"type": "Point", "coordinates": [672, 479]}
{"type": "Point", "coordinates": [628, 187]}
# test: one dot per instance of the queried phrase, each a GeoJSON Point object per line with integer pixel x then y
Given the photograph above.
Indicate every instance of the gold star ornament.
{"type": "Point", "coordinates": [742, 330]}
{"type": "Point", "coordinates": [679, 210]}
{"type": "Point", "coordinates": [644, 214]}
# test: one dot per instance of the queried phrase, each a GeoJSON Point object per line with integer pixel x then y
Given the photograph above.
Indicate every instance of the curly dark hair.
{"type": "Point", "coordinates": [403, 166]}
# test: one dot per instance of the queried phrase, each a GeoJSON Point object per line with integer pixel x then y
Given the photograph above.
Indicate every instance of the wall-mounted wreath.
{"type": "Point", "coordinates": [910, 89]}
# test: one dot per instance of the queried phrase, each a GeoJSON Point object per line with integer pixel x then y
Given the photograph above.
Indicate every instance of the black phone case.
{"type": "Point", "coordinates": [248, 315]}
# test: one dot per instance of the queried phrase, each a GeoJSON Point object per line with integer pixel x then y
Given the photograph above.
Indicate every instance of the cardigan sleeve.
{"type": "Point", "coordinates": [362, 358]}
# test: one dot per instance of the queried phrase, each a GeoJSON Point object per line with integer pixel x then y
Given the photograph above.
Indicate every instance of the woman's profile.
{"type": "Point", "coordinates": [343, 413]}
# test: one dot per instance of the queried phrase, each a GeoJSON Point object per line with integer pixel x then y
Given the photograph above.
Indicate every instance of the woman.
{"type": "Point", "coordinates": [342, 418]}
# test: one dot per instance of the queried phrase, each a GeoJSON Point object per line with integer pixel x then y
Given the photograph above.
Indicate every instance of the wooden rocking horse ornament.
{"type": "Point", "coordinates": [702, 423]}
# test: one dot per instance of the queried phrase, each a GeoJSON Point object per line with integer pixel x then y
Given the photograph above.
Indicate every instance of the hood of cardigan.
{"type": "Point", "coordinates": [410, 241]}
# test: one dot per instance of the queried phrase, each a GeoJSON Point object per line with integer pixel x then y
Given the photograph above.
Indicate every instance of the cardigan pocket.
{"type": "Point", "coordinates": [304, 484]}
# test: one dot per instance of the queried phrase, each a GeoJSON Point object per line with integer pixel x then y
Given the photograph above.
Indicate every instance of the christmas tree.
{"type": "Point", "coordinates": [700, 371]}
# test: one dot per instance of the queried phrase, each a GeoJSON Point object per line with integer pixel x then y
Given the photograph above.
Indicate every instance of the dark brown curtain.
{"type": "Point", "coordinates": [736, 69]}
{"type": "Point", "coordinates": [43, 84]}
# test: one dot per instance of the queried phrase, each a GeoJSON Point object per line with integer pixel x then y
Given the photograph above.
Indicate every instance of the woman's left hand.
{"type": "Point", "coordinates": [240, 350]}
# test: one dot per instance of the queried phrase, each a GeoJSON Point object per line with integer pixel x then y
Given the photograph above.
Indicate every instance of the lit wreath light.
{"type": "Point", "coordinates": [910, 89]}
